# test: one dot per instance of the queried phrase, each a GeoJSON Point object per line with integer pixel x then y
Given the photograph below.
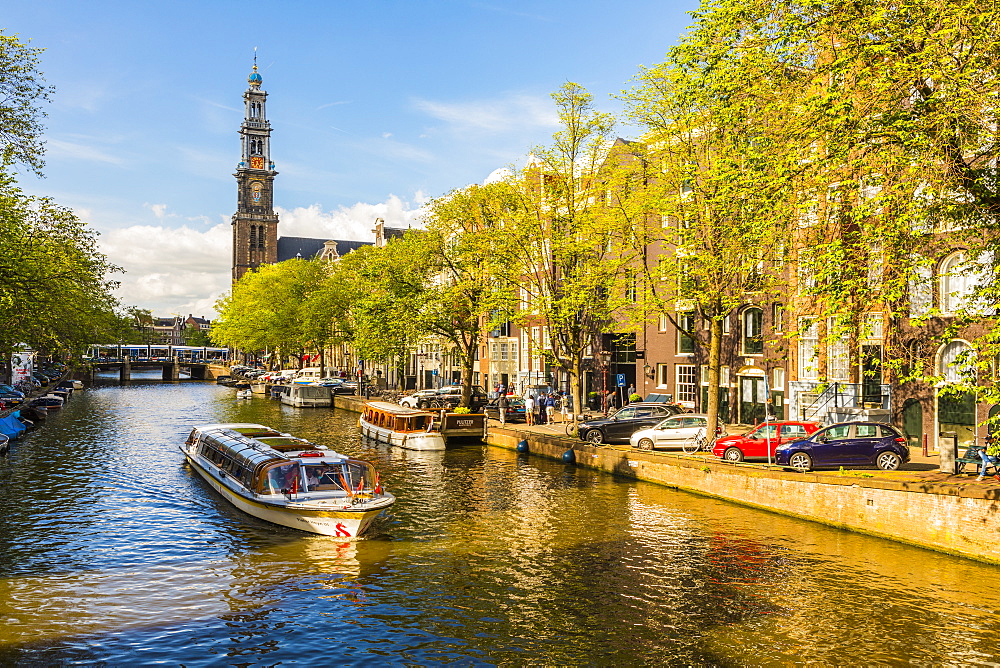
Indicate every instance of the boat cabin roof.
{"type": "Point", "coordinates": [245, 428]}
{"type": "Point", "coordinates": [396, 410]}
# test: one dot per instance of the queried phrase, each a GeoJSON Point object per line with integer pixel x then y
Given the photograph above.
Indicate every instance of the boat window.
{"type": "Point", "coordinates": [324, 478]}
{"type": "Point", "coordinates": [280, 477]}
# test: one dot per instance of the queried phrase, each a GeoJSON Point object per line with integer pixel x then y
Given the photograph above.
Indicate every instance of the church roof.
{"type": "Point", "coordinates": [289, 247]}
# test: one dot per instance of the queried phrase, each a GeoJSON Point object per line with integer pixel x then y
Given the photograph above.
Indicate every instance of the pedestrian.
{"type": "Point", "coordinates": [565, 403]}
{"type": "Point", "coordinates": [529, 409]}
{"type": "Point", "coordinates": [990, 456]}
{"type": "Point", "coordinates": [550, 407]}
{"type": "Point", "coordinates": [502, 404]}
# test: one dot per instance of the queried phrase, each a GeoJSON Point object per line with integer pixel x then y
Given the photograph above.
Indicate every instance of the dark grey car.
{"type": "Point", "coordinates": [619, 427]}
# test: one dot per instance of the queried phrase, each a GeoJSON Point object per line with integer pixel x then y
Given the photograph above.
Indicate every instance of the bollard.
{"type": "Point", "coordinates": [569, 457]}
{"type": "Point", "coordinates": [925, 446]}
{"type": "Point", "coordinates": [522, 446]}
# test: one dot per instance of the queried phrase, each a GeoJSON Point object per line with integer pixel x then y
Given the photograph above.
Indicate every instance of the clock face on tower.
{"type": "Point", "coordinates": [255, 189]}
{"type": "Point", "coordinates": [257, 162]}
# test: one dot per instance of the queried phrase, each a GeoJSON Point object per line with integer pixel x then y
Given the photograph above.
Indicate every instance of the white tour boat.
{"type": "Point", "coordinates": [397, 425]}
{"type": "Point", "coordinates": [286, 480]}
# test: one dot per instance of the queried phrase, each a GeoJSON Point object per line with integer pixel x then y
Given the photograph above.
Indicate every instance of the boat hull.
{"type": "Point", "coordinates": [347, 523]}
{"type": "Point", "coordinates": [409, 440]}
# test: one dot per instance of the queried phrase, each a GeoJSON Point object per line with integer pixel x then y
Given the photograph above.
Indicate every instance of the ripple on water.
{"type": "Point", "coordinates": [114, 551]}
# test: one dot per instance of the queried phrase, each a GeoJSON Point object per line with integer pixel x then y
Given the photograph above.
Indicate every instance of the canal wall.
{"type": "Point", "coordinates": [961, 518]}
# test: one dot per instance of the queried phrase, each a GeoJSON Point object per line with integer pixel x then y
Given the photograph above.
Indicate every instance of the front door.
{"type": "Point", "coordinates": [913, 423]}
{"type": "Point", "coordinates": [752, 399]}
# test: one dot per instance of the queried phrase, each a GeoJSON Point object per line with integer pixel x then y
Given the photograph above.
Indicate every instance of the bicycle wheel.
{"type": "Point", "coordinates": [691, 445]}
{"type": "Point", "coordinates": [571, 428]}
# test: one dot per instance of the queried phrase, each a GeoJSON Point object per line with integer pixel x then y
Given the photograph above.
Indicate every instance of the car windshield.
{"type": "Point", "coordinates": [767, 431]}
{"type": "Point", "coordinates": [625, 413]}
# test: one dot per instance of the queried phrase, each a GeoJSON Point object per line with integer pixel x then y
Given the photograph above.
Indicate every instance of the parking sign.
{"type": "Point", "coordinates": [621, 380]}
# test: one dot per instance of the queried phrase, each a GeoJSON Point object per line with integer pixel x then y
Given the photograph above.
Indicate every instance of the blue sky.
{"type": "Point", "coordinates": [375, 106]}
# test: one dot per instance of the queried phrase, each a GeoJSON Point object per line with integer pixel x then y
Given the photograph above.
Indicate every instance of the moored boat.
{"type": "Point", "coordinates": [306, 395]}
{"type": "Point", "coordinates": [286, 480]}
{"type": "Point", "coordinates": [397, 425]}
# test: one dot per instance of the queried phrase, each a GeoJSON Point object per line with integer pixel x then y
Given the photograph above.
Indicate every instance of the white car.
{"type": "Point", "coordinates": [685, 431]}
{"type": "Point", "coordinates": [419, 399]}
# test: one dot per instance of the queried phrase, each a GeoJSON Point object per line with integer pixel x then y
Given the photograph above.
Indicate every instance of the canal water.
{"type": "Point", "coordinates": [113, 552]}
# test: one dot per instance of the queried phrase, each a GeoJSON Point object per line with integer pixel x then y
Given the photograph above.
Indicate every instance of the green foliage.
{"type": "Point", "coordinates": [22, 89]}
{"type": "Point", "coordinates": [277, 307]}
{"type": "Point", "coordinates": [54, 294]}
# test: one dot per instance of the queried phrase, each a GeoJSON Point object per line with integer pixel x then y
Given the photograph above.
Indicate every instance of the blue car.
{"type": "Point", "coordinates": [846, 444]}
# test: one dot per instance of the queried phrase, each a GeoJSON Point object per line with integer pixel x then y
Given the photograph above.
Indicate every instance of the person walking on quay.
{"type": "Point", "coordinates": [502, 403]}
{"type": "Point", "coordinates": [550, 408]}
{"type": "Point", "coordinates": [529, 409]}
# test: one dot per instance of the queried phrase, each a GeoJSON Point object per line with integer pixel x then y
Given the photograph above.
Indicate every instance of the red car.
{"type": "Point", "coordinates": [763, 437]}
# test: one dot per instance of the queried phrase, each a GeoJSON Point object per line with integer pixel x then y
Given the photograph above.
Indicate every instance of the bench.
{"type": "Point", "coordinates": [971, 456]}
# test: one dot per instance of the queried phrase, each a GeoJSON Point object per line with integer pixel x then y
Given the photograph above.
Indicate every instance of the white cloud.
{"type": "Point", "coordinates": [354, 223]}
{"type": "Point", "coordinates": [185, 270]}
{"type": "Point", "coordinates": [78, 151]}
{"type": "Point", "coordinates": [159, 210]}
{"type": "Point", "coordinates": [514, 112]}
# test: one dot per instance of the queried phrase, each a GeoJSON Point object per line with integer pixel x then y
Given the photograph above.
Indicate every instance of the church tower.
{"type": "Point", "coordinates": [255, 225]}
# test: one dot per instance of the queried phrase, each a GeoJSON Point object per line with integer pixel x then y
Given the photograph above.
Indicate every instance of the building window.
{"type": "Point", "coordinates": [685, 342]}
{"type": "Point", "coordinates": [838, 352]}
{"type": "Point", "coordinates": [664, 323]}
{"type": "Point", "coordinates": [494, 352]}
{"type": "Point", "coordinates": [778, 318]}
{"type": "Point", "coordinates": [662, 376]}
{"type": "Point", "coordinates": [753, 331]}
{"type": "Point", "coordinates": [956, 363]}
{"type": "Point", "coordinates": [778, 380]}
{"type": "Point", "coordinates": [504, 349]}
{"type": "Point", "coordinates": [958, 280]}
{"type": "Point", "coordinates": [808, 349]}
{"type": "Point", "coordinates": [687, 383]}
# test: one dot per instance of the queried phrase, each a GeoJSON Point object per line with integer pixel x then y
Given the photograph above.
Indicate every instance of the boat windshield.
{"type": "Point", "coordinates": [352, 477]}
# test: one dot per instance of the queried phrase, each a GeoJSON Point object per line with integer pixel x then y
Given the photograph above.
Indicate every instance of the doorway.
{"type": "Point", "coordinates": [753, 399]}
{"type": "Point", "coordinates": [913, 423]}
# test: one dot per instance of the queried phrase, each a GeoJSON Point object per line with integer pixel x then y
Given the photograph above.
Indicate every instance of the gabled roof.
{"type": "Point", "coordinates": [306, 248]}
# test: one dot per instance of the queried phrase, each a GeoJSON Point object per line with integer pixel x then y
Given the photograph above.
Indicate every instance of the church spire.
{"type": "Point", "coordinates": [255, 225]}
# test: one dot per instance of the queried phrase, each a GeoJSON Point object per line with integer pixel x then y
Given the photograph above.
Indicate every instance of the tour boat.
{"type": "Point", "coordinates": [286, 480]}
{"type": "Point", "coordinates": [397, 425]}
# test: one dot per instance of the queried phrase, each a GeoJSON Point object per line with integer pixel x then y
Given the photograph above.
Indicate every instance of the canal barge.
{"type": "Point", "coordinates": [397, 425]}
{"type": "Point", "coordinates": [286, 480]}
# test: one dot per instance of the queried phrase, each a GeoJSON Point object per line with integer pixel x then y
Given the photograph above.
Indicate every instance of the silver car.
{"type": "Point", "coordinates": [685, 431]}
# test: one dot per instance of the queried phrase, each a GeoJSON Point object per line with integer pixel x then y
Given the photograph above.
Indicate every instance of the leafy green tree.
{"type": "Point", "coordinates": [22, 90]}
{"type": "Point", "coordinates": [716, 189]}
{"type": "Point", "coordinates": [54, 290]}
{"type": "Point", "coordinates": [269, 308]}
{"type": "Point", "coordinates": [566, 249]}
{"type": "Point", "coordinates": [893, 120]}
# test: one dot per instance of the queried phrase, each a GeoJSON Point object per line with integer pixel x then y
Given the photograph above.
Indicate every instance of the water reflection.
{"type": "Point", "coordinates": [114, 551]}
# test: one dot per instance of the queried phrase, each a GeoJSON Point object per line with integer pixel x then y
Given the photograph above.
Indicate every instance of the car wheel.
{"type": "Point", "coordinates": [422, 405]}
{"type": "Point", "coordinates": [645, 444]}
{"type": "Point", "coordinates": [733, 455]}
{"type": "Point", "coordinates": [801, 462]}
{"type": "Point", "coordinates": [595, 436]}
{"type": "Point", "coordinates": [888, 460]}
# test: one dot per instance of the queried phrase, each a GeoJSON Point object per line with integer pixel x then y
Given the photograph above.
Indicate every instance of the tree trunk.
{"type": "Point", "coordinates": [714, 367]}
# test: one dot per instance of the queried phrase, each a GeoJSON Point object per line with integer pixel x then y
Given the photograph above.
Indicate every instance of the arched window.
{"type": "Point", "coordinates": [957, 282]}
{"type": "Point", "coordinates": [753, 331]}
{"type": "Point", "coordinates": [955, 362]}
